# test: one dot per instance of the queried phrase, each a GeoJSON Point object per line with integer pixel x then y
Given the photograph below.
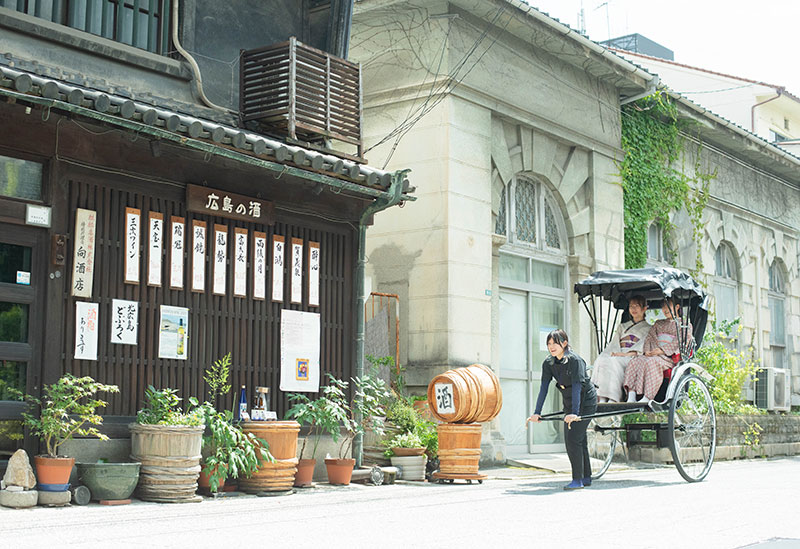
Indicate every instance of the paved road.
{"type": "Point", "coordinates": [739, 504]}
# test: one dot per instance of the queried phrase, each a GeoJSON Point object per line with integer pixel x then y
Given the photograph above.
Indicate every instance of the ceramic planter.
{"type": "Point", "coordinates": [340, 471]}
{"type": "Point", "coordinates": [305, 472]}
{"type": "Point", "coordinates": [109, 481]}
{"type": "Point", "coordinates": [410, 467]}
{"type": "Point", "coordinates": [52, 473]}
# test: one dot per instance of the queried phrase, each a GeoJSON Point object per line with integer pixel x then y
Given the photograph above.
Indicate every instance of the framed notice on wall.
{"type": "Point", "coordinates": [300, 343]}
{"type": "Point", "coordinates": [198, 256]}
{"type": "Point", "coordinates": [297, 270]}
{"type": "Point", "coordinates": [124, 321]}
{"type": "Point", "coordinates": [278, 254]}
{"type": "Point", "coordinates": [83, 258]}
{"type": "Point", "coordinates": [86, 330]}
{"type": "Point", "coordinates": [176, 253]}
{"type": "Point", "coordinates": [220, 258]}
{"type": "Point", "coordinates": [259, 265]}
{"type": "Point", "coordinates": [313, 274]}
{"type": "Point", "coordinates": [173, 333]}
{"type": "Point", "coordinates": [132, 235]}
{"type": "Point", "coordinates": [240, 262]}
{"type": "Point", "coordinates": [155, 248]}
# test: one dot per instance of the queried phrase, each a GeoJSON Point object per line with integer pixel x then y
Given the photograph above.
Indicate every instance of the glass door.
{"type": "Point", "coordinates": [19, 338]}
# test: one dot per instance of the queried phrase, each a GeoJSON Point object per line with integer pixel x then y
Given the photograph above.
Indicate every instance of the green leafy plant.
{"type": "Point", "coordinates": [218, 378]}
{"type": "Point", "coordinates": [365, 411]}
{"type": "Point", "coordinates": [233, 453]}
{"type": "Point", "coordinates": [403, 415]}
{"type": "Point", "coordinates": [405, 440]}
{"type": "Point", "coordinates": [324, 414]}
{"type": "Point", "coordinates": [162, 407]}
{"type": "Point", "coordinates": [68, 407]}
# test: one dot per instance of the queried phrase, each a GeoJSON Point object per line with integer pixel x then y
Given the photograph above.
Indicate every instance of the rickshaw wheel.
{"type": "Point", "coordinates": [602, 444]}
{"type": "Point", "coordinates": [692, 428]}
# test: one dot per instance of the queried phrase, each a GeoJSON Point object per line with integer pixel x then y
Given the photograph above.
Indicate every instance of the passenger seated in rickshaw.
{"type": "Point", "coordinates": [645, 374]}
{"type": "Point", "coordinates": [609, 368]}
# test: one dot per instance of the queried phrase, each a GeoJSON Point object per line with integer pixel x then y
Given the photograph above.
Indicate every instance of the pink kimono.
{"type": "Point", "coordinates": [645, 374]}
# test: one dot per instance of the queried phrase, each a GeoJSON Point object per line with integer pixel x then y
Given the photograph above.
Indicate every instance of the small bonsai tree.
{"type": "Point", "coordinates": [323, 415]}
{"type": "Point", "coordinates": [68, 407]}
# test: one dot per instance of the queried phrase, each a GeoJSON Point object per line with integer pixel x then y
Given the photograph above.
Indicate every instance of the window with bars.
{"type": "Point", "coordinates": [726, 283]}
{"type": "Point", "coordinates": [777, 313]}
{"type": "Point", "coordinates": [140, 23]}
{"type": "Point", "coordinates": [529, 215]}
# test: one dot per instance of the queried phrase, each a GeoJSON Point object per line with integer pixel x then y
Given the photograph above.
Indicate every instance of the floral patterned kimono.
{"type": "Point", "coordinates": [645, 374]}
{"type": "Point", "coordinates": [609, 371]}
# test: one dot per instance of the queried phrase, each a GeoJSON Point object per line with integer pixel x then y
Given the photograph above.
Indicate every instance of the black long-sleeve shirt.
{"type": "Point", "coordinates": [571, 380]}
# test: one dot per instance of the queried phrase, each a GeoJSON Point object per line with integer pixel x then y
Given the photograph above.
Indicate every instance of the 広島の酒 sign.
{"type": "Point", "coordinates": [224, 204]}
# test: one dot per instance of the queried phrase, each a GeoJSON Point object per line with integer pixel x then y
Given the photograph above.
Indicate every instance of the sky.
{"type": "Point", "coordinates": [754, 40]}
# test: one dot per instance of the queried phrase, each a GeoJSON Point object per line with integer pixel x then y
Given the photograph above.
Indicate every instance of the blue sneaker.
{"type": "Point", "coordinates": [574, 485]}
{"type": "Point", "coordinates": [587, 481]}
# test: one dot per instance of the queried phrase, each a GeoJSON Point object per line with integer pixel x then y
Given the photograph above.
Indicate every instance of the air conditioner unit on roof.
{"type": "Point", "coordinates": [773, 389]}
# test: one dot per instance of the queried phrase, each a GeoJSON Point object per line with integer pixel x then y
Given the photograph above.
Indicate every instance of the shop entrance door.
{"type": "Point", "coordinates": [21, 338]}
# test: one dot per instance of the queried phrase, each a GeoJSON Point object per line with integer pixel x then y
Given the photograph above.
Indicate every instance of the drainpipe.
{"type": "Point", "coordinates": [395, 193]}
{"type": "Point", "coordinates": [753, 108]}
{"type": "Point", "coordinates": [198, 79]}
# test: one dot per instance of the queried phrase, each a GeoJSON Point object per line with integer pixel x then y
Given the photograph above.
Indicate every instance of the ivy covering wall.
{"type": "Point", "coordinates": [654, 177]}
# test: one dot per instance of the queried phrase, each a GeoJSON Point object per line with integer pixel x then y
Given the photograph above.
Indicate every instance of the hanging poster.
{"type": "Point", "coordinates": [313, 274]}
{"type": "Point", "coordinates": [83, 260]}
{"type": "Point", "coordinates": [278, 254]}
{"type": "Point", "coordinates": [220, 258]}
{"type": "Point", "coordinates": [86, 330]}
{"type": "Point", "coordinates": [300, 337]}
{"type": "Point", "coordinates": [173, 333]}
{"type": "Point", "coordinates": [132, 230]}
{"type": "Point", "coordinates": [156, 248]}
{"type": "Point", "coordinates": [240, 262]}
{"type": "Point", "coordinates": [124, 321]}
{"type": "Point", "coordinates": [297, 270]}
{"type": "Point", "coordinates": [198, 256]}
{"type": "Point", "coordinates": [176, 253]}
{"type": "Point", "coordinates": [259, 265]}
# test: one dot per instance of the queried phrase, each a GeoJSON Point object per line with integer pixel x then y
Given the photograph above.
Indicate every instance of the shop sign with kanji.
{"type": "Point", "coordinates": [231, 205]}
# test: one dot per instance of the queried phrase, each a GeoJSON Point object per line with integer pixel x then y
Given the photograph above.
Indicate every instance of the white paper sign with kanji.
{"type": "Point", "coordinates": [259, 265]}
{"type": "Point", "coordinates": [132, 235]}
{"type": "Point", "coordinates": [83, 259]}
{"type": "Point", "coordinates": [176, 253]}
{"type": "Point", "coordinates": [124, 321]}
{"type": "Point", "coordinates": [156, 248]}
{"type": "Point", "coordinates": [278, 254]}
{"type": "Point", "coordinates": [297, 270]}
{"type": "Point", "coordinates": [445, 403]}
{"type": "Point", "coordinates": [86, 330]}
{"type": "Point", "coordinates": [240, 262]}
{"type": "Point", "coordinates": [198, 256]}
{"type": "Point", "coordinates": [313, 274]}
{"type": "Point", "coordinates": [300, 343]}
{"type": "Point", "coordinates": [220, 258]}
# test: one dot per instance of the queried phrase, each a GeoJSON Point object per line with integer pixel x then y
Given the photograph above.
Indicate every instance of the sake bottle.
{"type": "Point", "coordinates": [242, 404]}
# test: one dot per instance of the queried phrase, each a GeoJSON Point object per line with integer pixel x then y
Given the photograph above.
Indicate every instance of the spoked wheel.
{"type": "Point", "coordinates": [692, 428]}
{"type": "Point", "coordinates": [602, 443]}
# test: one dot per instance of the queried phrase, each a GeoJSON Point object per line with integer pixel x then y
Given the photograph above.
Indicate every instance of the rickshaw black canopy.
{"type": "Point", "coordinates": [654, 284]}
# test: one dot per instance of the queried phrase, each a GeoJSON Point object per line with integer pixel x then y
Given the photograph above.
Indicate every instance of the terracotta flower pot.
{"type": "Point", "coordinates": [340, 471]}
{"type": "Point", "coordinates": [53, 470]}
{"type": "Point", "coordinates": [403, 452]}
{"type": "Point", "coordinates": [305, 472]}
{"type": "Point", "coordinates": [203, 482]}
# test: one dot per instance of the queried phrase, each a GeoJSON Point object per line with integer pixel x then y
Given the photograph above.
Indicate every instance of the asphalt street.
{"type": "Point", "coordinates": [741, 503]}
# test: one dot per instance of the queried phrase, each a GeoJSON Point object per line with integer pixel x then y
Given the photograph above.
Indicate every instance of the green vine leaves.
{"type": "Point", "coordinates": [653, 187]}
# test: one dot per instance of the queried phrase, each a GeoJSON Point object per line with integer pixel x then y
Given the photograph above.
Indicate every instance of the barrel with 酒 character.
{"type": "Point", "coordinates": [465, 395]}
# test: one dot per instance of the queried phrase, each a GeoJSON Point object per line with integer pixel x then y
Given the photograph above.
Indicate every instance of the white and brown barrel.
{"type": "Point", "coordinates": [465, 395]}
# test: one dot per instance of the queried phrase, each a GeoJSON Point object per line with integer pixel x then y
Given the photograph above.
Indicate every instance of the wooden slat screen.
{"type": "Point", "coordinates": [303, 91]}
{"type": "Point", "coordinates": [247, 327]}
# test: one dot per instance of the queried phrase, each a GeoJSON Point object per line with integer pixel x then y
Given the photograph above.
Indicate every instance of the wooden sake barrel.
{"type": "Point", "coordinates": [281, 436]}
{"type": "Point", "coordinates": [465, 395]}
{"type": "Point", "coordinates": [170, 458]}
{"type": "Point", "coordinates": [459, 448]}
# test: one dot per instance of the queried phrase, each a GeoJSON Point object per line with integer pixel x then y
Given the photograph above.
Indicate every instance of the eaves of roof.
{"type": "Point", "coordinates": [200, 134]}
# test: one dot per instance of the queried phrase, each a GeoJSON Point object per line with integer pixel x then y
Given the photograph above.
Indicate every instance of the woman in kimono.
{"type": "Point", "coordinates": [645, 373]}
{"type": "Point", "coordinates": [609, 368]}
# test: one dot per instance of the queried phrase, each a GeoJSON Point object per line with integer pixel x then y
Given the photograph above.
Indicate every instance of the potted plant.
{"type": "Point", "coordinates": [167, 441]}
{"type": "Point", "coordinates": [364, 412]}
{"type": "Point", "coordinates": [408, 455]}
{"type": "Point", "coordinates": [68, 407]}
{"type": "Point", "coordinates": [323, 415]}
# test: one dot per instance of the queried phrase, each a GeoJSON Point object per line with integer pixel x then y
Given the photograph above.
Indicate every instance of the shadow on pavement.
{"type": "Point", "coordinates": [548, 488]}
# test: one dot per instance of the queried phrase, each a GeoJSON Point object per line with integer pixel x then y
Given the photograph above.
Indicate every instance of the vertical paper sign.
{"type": "Point", "coordinates": [198, 256]}
{"type": "Point", "coordinates": [124, 321]}
{"type": "Point", "coordinates": [85, 330]}
{"type": "Point", "coordinates": [176, 253]}
{"type": "Point", "coordinates": [173, 333]}
{"type": "Point", "coordinates": [220, 258]}
{"type": "Point", "coordinates": [300, 342]}
{"type": "Point", "coordinates": [313, 274]}
{"type": "Point", "coordinates": [83, 260]}
{"type": "Point", "coordinates": [156, 248]}
{"type": "Point", "coordinates": [297, 270]}
{"type": "Point", "coordinates": [132, 230]}
{"type": "Point", "coordinates": [259, 265]}
{"type": "Point", "coordinates": [278, 254]}
{"type": "Point", "coordinates": [240, 262]}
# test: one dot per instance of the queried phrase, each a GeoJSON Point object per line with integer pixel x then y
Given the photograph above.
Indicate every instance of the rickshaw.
{"type": "Point", "coordinates": [690, 430]}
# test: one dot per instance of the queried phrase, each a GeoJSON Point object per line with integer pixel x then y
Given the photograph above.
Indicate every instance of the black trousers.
{"type": "Point", "coordinates": [576, 442]}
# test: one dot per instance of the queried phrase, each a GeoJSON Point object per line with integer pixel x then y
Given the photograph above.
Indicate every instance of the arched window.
{"type": "Point", "coordinates": [777, 313]}
{"type": "Point", "coordinates": [530, 216]}
{"type": "Point", "coordinates": [726, 283]}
